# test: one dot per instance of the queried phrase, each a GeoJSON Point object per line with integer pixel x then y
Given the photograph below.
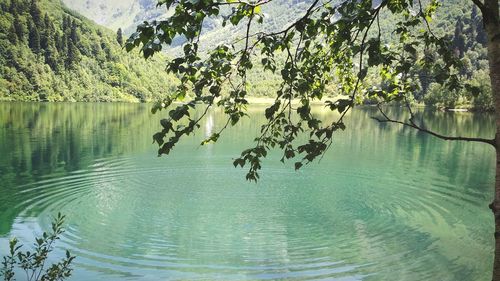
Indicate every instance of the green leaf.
{"type": "Point", "coordinates": [298, 165]}
{"type": "Point", "coordinates": [158, 138]}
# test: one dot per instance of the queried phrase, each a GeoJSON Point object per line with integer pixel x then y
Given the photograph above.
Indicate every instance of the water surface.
{"type": "Point", "coordinates": [385, 203]}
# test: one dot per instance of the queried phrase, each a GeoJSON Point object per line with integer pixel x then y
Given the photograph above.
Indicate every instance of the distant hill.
{"type": "Point", "coordinates": [127, 14]}
{"type": "Point", "coordinates": [114, 14]}
{"type": "Point", "coordinates": [50, 53]}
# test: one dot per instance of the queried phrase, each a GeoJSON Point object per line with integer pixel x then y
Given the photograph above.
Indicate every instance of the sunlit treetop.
{"type": "Point", "coordinates": [330, 43]}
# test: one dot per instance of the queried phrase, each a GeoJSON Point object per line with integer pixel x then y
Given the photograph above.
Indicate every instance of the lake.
{"type": "Point", "coordinates": [385, 203]}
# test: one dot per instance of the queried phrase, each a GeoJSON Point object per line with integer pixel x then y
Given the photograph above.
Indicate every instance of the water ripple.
{"type": "Point", "coordinates": [133, 221]}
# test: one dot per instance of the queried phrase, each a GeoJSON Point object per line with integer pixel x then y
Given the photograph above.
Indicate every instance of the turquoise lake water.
{"type": "Point", "coordinates": [385, 203]}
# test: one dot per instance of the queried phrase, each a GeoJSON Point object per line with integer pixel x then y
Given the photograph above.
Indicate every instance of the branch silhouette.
{"type": "Point", "coordinates": [413, 125]}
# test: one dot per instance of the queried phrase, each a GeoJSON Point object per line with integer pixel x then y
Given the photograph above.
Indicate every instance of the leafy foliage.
{"type": "Point", "coordinates": [261, 82]}
{"type": "Point", "coordinates": [331, 43]}
{"type": "Point", "coordinates": [469, 45]}
{"type": "Point", "coordinates": [33, 263]}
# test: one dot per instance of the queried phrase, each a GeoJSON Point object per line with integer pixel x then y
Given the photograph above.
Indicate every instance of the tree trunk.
{"type": "Point", "coordinates": [492, 25]}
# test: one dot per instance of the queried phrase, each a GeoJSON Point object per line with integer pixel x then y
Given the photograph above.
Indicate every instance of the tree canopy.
{"type": "Point", "coordinates": [331, 43]}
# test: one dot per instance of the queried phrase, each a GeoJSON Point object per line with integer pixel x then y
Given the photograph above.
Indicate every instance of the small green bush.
{"type": "Point", "coordinates": [33, 263]}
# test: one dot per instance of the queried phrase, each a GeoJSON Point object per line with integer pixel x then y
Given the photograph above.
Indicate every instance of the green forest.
{"type": "Point", "coordinates": [50, 53]}
{"type": "Point", "coordinates": [462, 24]}
{"type": "Point", "coordinates": [459, 21]}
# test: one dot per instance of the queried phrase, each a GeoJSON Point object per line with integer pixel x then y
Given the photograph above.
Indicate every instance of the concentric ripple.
{"type": "Point", "coordinates": [395, 209]}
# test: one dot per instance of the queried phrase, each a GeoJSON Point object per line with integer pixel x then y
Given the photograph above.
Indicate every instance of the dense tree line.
{"type": "Point", "coordinates": [47, 53]}
{"type": "Point", "coordinates": [459, 20]}
{"type": "Point", "coordinates": [469, 44]}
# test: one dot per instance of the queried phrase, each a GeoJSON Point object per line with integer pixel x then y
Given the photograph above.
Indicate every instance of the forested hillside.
{"type": "Point", "coordinates": [48, 53]}
{"type": "Point", "coordinates": [51, 53]}
{"type": "Point", "coordinates": [459, 20]}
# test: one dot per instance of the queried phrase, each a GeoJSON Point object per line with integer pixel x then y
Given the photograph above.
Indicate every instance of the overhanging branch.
{"type": "Point", "coordinates": [387, 119]}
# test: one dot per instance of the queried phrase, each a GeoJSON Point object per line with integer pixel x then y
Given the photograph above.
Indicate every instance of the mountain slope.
{"type": "Point", "coordinates": [114, 14]}
{"type": "Point", "coordinates": [127, 14]}
{"type": "Point", "coordinates": [106, 72]}
{"type": "Point", "coordinates": [49, 53]}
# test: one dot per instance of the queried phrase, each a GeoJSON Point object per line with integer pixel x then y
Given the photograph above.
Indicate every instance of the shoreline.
{"type": "Point", "coordinates": [262, 101]}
